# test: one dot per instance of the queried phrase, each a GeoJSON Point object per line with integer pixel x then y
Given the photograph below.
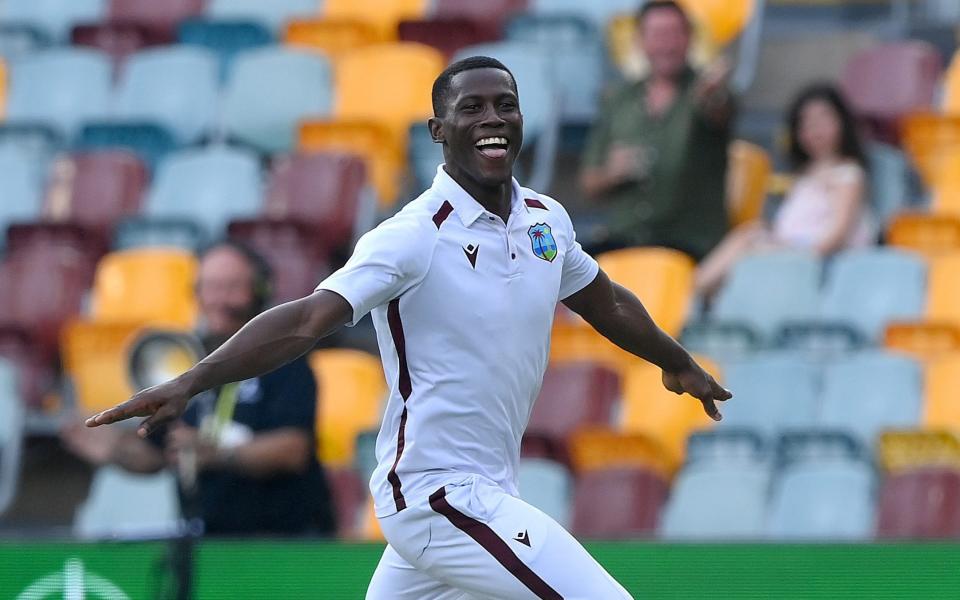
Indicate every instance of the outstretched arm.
{"type": "Point", "coordinates": [619, 316]}
{"type": "Point", "coordinates": [269, 341]}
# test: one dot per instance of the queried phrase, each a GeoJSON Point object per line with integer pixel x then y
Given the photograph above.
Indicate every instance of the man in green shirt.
{"type": "Point", "coordinates": [655, 162]}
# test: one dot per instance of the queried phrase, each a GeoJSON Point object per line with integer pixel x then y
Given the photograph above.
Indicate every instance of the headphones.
{"type": "Point", "coordinates": [262, 273]}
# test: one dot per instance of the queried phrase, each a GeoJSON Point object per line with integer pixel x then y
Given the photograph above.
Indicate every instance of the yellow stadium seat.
{"type": "Point", "coordinates": [331, 36]}
{"type": "Point", "coordinates": [652, 410]}
{"type": "Point", "coordinates": [598, 448]}
{"type": "Point", "coordinates": [385, 15]}
{"type": "Point", "coordinates": [933, 141]}
{"type": "Point", "coordinates": [942, 402]}
{"type": "Point", "coordinates": [925, 340]}
{"type": "Point", "coordinates": [723, 20]}
{"type": "Point", "coordinates": [927, 234]}
{"type": "Point", "coordinates": [3, 90]}
{"type": "Point", "coordinates": [900, 451]}
{"type": "Point", "coordinates": [951, 87]}
{"type": "Point", "coordinates": [374, 142]}
{"type": "Point", "coordinates": [370, 528]}
{"type": "Point", "coordinates": [943, 289]}
{"type": "Point", "coordinates": [748, 177]}
{"type": "Point", "coordinates": [95, 359]}
{"type": "Point", "coordinates": [148, 286]}
{"type": "Point", "coordinates": [402, 73]}
{"type": "Point", "coordinates": [351, 393]}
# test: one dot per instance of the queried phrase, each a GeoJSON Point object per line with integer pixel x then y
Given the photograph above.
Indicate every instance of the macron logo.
{"type": "Point", "coordinates": [471, 252]}
{"type": "Point", "coordinates": [523, 538]}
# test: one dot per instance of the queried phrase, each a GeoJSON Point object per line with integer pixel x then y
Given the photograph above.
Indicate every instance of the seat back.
{"type": "Point", "coordinates": [617, 503]}
{"type": "Point", "coordinates": [925, 340]}
{"type": "Point", "coordinates": [548, 486]}
{"type": "Point", "coordinates": [943, 289]}
{"type": "Point", "coordinates": [941, 408]}
{"type": "Point", "coordinates": [118, 40]}
{"type": "Point", "coordinates": [95, 357]}
{"type": "Point", "coordinates": [150, 141]}
{"type": "Point", "coordinates": [382, 14]}
{"type": "Point", "coordinates": [159, 16]}
{"type": "Point", "coordinates": [19, 188]}
{"type": "Point", "coordinates": [932, 141]}
{"type": "Point", "coordinates": [122, 504]}
{"type": "Point", "coordinates": [352, 392]}
{"type": "Point", "coordinates": [736, 511]}
{"type": "Point", "coordinates": [906, 450]}
{"type": "Point", "coordinates": [928, 234]}
{"type": "Point", "coordinates": [270, 90]}
{"type": "Point", "coordinates": [774, 392]}
{"type": "Point", "coordinates": [147, 286]}
{"type": "Point", "coordinates": [274, 14]}
{"type": "Point", "coordinates": [573, 395]}
{"type": "Point", "coordinates": [748, 175]}
{"type": "Point", "coordinates": [332, 37]}
{"type": "Point", "coordinates": [53, 17]}
{"type": "Point", "coordinates": [226, 39]}
{"type": "Point", "coordinates": [921, 504]}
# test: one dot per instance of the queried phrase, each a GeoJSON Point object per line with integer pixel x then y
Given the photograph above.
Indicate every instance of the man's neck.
{"type": "Point", "coordinates": [495, 199]}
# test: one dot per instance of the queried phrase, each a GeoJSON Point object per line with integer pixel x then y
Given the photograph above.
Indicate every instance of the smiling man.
{"type": "Point", "coordinates": [462, 285]}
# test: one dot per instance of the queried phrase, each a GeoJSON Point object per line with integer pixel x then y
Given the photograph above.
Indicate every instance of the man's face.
{"type": "Point", "coordinates": [665, 39]}
{"type": "Point", "coordinates": [225, 291]}
{"type": "Point", "coordinates": [482, 128]}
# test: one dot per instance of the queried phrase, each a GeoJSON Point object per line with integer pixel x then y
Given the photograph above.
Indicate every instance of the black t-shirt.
{"type": "Point", "coordinates": [232, 504]}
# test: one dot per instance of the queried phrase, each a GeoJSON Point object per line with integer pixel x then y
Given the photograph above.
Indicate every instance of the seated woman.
{"type": "Point", "coordinates": [826, 209]}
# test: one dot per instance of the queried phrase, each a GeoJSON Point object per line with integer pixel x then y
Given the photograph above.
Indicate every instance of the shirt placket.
{"type": "Point", "coordinates": [509, 244]}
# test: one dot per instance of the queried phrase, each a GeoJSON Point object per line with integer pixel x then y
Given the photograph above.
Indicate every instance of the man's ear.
{"type": "Point", "coordinates": [436, 130]}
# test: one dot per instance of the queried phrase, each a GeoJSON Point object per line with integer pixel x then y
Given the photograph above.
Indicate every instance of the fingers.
{"type": "Point", "coordinates": [710, 408]}
{"type": "Point", "coordinates": [718, 391]}
{"type": "Point", "coordinates": [163, 415]}
{"type": "Point", "coordinates": [131, 408]}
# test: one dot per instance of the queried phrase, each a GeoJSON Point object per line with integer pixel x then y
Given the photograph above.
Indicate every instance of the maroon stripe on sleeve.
{"type": "Point", "coordinates": [496, 547]}
{"type": "Point", "coordinates": [445, 209]}
{"type": "Point", "coordinates": [534, 203]}
{"type": "Point", "coordinates": [399, 342]}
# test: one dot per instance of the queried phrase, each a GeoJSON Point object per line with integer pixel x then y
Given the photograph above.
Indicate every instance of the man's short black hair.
{"type": "Point", "coordinates": [647, 7]}
{"type": "Point", "coordinates": [441, 86]}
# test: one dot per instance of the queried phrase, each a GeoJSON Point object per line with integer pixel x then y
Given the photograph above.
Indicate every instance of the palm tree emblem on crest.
{"type": "Point", "coordinates": [542, 242]}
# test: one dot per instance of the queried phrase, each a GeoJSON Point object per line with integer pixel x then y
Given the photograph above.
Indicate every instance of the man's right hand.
{"type": "Point", "coordinates": [624, 163]}
{"type": "Point", "coordinates": [160, 404]}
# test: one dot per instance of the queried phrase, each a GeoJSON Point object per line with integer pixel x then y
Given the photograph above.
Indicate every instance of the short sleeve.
{"type": "Point", "coordinates": [387, 261]}
{"type": "Point", "coordinates": [579, 268]}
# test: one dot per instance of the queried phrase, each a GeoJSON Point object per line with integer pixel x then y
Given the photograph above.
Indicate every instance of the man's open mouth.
{"type": "Point", "coordinates": [493, 147]}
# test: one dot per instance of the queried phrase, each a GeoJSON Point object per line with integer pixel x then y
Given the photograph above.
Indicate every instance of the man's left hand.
{"type": "Point", "coordinates": [699, 384]}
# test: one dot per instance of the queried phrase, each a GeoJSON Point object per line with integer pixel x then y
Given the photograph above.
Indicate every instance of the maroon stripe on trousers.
{"type": "Point", "coordinates": [399, 342]}
{"type": "Point", "coordinates": [491, 542]}
{"type": "Point", "coordinates": [441, 215]}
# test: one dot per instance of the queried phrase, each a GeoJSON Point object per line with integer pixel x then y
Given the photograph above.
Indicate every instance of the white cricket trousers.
{"type": "Point", "coordinates": [471, 540]}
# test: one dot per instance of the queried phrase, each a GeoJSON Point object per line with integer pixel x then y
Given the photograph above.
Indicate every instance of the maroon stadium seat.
{"type": "Point", "coordinates": [886, 82]}
{"type": "Point", "coordinates": [573, 395]}
{"type": "Point", "coordinates": [617, 503]}
{"type": "Point", "coordinates": [34, 371]}
{"type": "Point", "coordinates": [160, 17]}
{"type": "Point", "coordinates": [96, 190]}
{"type": "Point", "coordinates": [119, 40]}
{"type": "Point", "coordinates": [321, 190]}
{"type": "Point", "coordinates": [480, 11]}
{"type": "Point", "coordinates": [449, 34]}
{"type": "Point", "coordinates": [287, 245]}
{"type": "Point", "coordinates": [349, 495]}
{"type": "Point", "coordinates": [923, 503]}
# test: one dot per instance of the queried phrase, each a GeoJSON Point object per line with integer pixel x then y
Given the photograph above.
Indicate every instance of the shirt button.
{"type": "Point", "coordinates": [513, 256]}
{"type": "Point", "coordinates": [492, 219]}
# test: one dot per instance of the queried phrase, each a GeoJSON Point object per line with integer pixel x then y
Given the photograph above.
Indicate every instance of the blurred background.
{"type": "Point", "coordinates": [778, 180]}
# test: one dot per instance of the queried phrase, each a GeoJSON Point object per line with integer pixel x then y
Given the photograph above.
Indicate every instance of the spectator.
{"type": "Point", "coordinates": [256, 468]}
{"type": "Point", "coordinates": [656, 161]}
{"type": "Point", "coordinates": [825, 210]}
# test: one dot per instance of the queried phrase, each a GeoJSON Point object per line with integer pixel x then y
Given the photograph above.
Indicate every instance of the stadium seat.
{"type": "Point", "coordinates": [932, 141]}
{"type": "Point", "coordinates": [577, 59]}
{"type": "Point", "coordinates": [748, 176]}
{"type": "Point", "coordinates": [927, 234]}
{"type": "Point", "coordinates": [497, 10]}
{"type": "Point", "coordinates": [146, 286]}
{"type": "Point", "coordinates": [869, 288]}
{"type": "Point", "coordinates": [151, 142]}
{"type": "Point", "coordinates": [162, 17]}
{"type": "Point", "coordinates": [617, 503]}
{"type": "Point", "coordinates": [178, 87]}
{"type": "Point", "coordinates": [38, 144]}
{"type": "Point", "coordinates": [145, 232]}
{"type": "Point", "coordinates": [424, 156]}
{"type": "Point", "coordinates": [719, 340]}
{"type": "Point", "coordinates": [11, 432]}
{"type": "Point", "coordinates": [900, 451]}
{"type": "Point", "coordinates": [270, 90]}
{"type": "Point", "coordinates": [448, 34]}
{"type": "Point", "coordinates": [274, 14]}
{"type": "Point", "coordinates": [53, 17]}
{"type": "Point", "coordinates": [921, 504]}
{"type": "Point", "coordinates": [870, 392]}
{"type": "Point", "coordinates": [598, 448]}
{"type": "Point", "coordinates": [382, 14]}
{"type": "Point", "coordinates": [951, 85]}
{"type": "Point", "coordinates": [208, 185]}
{"type": "Point", "coordinates": [573, 395]}
{"type": "Point", "coordinates": [18, 40]}
{"type": "Point", "coordinates": [349, 495]}
{"type": "Point", "coordinates": [290, 249]}
{"type": "Point", "coordinates": [767, 290]}
{"type": "Point", "coordinates": [941, 408]}
{"type": "Point", "coordinates": [371, 140]}
{"type": "Point", "coordinates": [547, 485]}
{"type": "Point", "coordinates": [764, 401]}
{"type": "Point", "coordinates": [331, 37]}
{"type": "Point", "coordinates": [599, 12]}
{"type": "Point", "coordinates": [727, 447]}
{"type": "Point", "coordinates": [366, 453]}
{"type": "Point", "coordinates": [924, 340]}
{"type": "Point", "coordinates": [35, 372]}
{"type": "Point", "coordinates": [126, 505]}
{"type": "Point", "coordinates": [325, 191]}
{"type": "Point", "coordinates": [652, 410]}
{"type": "Point", "coordinates": [61, 87]}
{"type": "Point", "coordinates": [721, 20]}
{"type": "Point", "coordinates": [94, 357]}
{"type": "Point", "coordinates": [351, 397]}
{"type": "Point", "coordinates": [735, 509]}
{"type": "Point", "coordinates": [943, 289]}
{"type": "Point", "coordinates": [226, 39]}
{"type": "Point", "coordinates": [3, 89]}
{"type": "Point", "coordinates": [825, 501]}
{"type": "Point", "coordinates": [96, 190]}
{"type": "Point", "coordinates": [890, 80]}
{"type": "Point", "coordinates": [118, 40]}
{"type": "Point", "coordinates": [889, 180]}
{"type": "Point", "coordinates": [19, 188]}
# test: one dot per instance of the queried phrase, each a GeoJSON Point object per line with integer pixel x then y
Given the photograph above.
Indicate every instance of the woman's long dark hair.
{"type": "Point", "coordinates": [850, 146]}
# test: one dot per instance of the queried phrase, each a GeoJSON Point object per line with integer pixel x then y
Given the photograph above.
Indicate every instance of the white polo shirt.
{"type": "Point", "coordinates": [463, 306]}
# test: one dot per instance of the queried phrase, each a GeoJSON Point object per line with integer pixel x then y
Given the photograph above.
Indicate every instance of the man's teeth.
{"type": "Point", "coordinates": [499, 141]}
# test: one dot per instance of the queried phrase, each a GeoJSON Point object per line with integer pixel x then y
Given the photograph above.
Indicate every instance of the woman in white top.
{"type": "Point", "coordinates": [826, 209]}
